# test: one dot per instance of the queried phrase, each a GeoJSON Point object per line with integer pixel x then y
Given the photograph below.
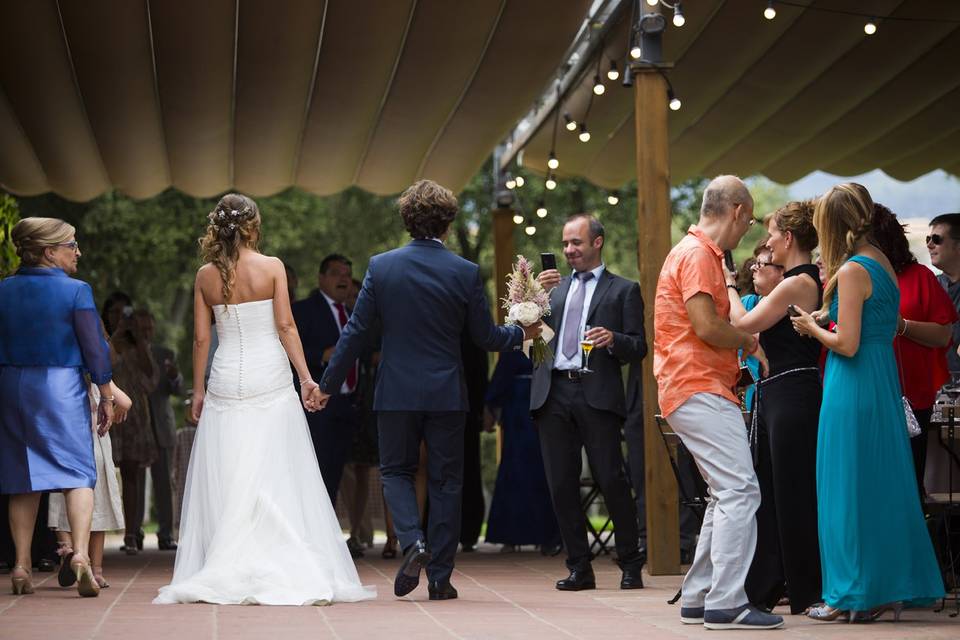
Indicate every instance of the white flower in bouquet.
{"type": "Point", "coordinates": [525, 313]}
{"type": "Point", "coordinates": [526, 303]}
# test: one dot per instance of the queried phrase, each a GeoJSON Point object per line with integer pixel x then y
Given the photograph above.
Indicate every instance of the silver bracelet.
{"type": "Point", "coordinates": [306, 381]}
{"type": "Point", "coordinates": [107, 398]}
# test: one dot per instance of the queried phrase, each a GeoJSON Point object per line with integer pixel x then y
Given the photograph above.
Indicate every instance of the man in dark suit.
{"type": "Point", "coordinates": [320, 320]}
{"type": "Point", "coordinates": [575, 410]}
{"type": "Point", "coordinates": [421, 298]}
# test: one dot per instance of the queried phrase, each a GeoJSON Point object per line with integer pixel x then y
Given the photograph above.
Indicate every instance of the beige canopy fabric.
{"type": "Point", "coordinates": [260, 95]}
{"type": "Point", "coordinates": [807, 90]}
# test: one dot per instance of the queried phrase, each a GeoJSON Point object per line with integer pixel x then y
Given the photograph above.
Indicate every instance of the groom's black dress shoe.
{"type": "Point", "coordinates": [408, 577]}
{"type": "Point", "coordinates": [441, 591]}
{"type": "Point", "coordinates": [578, 580]}
{"type": "Point", "coordinates": [632, 578]}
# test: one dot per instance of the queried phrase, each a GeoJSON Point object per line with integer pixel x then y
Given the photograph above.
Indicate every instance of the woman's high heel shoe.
{"type": "Point", "coordinates": [87, 585]}
{"type": "Point", "coordinates": [827, 613]}
{"type": "Point", "coordinates": [895, 607]}
{"type": "Point", "coordinates": [390, 548]}
{"type": "Point", "coordinates": [21, 581]}
{"type": "Point", "coordinates": [98, 576]}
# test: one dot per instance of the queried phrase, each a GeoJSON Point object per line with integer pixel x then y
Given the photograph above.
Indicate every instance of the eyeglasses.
{"type": "Point", "coordinates": [935, 239]}
{"type": "Point", "coordinates": [756, 266]}
{"type": "Point", "coordinates": [70, 245]}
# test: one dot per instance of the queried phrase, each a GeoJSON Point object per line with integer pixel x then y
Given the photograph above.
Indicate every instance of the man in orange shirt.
{"type": "Point", "coordinates": [695, 362]}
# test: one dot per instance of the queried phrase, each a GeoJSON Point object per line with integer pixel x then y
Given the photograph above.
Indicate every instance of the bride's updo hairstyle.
{"type": "Point", "coordinates": [842, 216]}
{"type": "Point", "coordinates": [234, 223]}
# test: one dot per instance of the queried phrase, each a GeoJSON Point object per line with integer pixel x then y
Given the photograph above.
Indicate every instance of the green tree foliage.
{"type": "Point", "coordinates": [9, 215]}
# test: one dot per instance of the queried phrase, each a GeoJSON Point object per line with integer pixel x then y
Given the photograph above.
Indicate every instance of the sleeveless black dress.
{"type": "Point", "coordinates": [787, 410]}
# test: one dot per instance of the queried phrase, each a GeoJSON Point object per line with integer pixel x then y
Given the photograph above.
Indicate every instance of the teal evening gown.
{"type": "Point", "coordinates": [874, 545]}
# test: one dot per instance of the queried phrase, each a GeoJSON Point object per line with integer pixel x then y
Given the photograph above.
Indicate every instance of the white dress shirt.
{"type": "Point", "coordinates": [344, 388]}
{"type": "Point", "coordinates": [561, 361]}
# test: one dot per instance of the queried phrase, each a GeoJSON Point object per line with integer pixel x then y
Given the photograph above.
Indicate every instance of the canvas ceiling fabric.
{"type": "Point", "coordinates": [262, 95]}
{"type": "Point", "coordinates": [782, 98]}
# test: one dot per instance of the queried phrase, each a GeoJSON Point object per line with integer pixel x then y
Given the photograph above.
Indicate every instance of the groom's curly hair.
{"type": "Point", "coordinates": [427, 209]}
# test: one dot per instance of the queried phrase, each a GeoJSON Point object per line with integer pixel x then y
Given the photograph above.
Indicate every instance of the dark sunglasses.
{"type": "Point", "coordinates": [935, 239]}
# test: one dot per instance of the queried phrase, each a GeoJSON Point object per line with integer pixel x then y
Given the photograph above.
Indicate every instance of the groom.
{"type": "Point", "coordinates": [420, 298]}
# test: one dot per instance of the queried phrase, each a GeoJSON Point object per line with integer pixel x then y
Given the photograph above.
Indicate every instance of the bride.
{"type": "Point", "coordinates": [257, 526]}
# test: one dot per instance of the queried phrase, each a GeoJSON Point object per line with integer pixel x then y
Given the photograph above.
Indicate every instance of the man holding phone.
{"type": "Point", "coordinates": [576, 408]}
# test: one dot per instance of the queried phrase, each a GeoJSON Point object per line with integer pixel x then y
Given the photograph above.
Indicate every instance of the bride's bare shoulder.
{"type": "Point", "coordinates": [207, 272]}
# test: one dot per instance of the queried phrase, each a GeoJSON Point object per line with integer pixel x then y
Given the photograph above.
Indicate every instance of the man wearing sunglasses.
{"type": "Point", "coordinates": [943, 243]}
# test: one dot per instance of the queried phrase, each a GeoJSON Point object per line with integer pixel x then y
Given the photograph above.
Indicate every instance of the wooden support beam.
{"type": "Point", "coordinates": [503, 255]}
{"type": "Point", "coordinates": [653, 222]}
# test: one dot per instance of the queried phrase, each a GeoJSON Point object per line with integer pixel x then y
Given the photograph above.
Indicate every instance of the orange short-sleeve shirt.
{"type": "Point", "coordinates": [683, 363]}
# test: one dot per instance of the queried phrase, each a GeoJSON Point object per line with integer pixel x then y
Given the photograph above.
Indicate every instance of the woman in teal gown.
{"type": "Point", "coordinates": [875, 551]}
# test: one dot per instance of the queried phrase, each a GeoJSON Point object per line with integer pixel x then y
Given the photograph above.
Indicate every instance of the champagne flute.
{"type": "Point", "coordinates": [586, 345]}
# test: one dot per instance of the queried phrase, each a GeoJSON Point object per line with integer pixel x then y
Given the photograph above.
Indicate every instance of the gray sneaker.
{"type": "Point", "coordinates": [691, 615]}
{"type": "Point", "coordinates": [745, 617]}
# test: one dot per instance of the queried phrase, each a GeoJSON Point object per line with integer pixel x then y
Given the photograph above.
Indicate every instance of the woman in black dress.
{"type": "Point", "coordinates": [786, 416]}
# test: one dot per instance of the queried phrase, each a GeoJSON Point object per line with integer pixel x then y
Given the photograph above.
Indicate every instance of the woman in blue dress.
{"type": "Point", "coordinates": [50, 336]}
{"type": "Point", "coordinates": [875, 552]}
{"type": "Point", "coordinates": [520, 512]}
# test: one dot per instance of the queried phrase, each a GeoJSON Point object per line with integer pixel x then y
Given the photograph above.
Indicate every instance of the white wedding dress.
{"type": "Point", "coordinates": [257, 525]}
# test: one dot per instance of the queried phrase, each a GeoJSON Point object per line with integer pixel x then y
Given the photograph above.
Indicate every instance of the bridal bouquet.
{"type": "Point", "coordinates": [526, 303]}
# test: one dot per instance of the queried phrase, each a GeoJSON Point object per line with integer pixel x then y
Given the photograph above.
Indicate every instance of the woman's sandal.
{"type": "Point", "coordinates": [22, 580]}
{"type": "Point", "coordinates": [87, 585]}
{"type": "Point", "coordinates": [98, 576]}
{"type": "Point", "coordinates": [390, 548]}
{"type": "Point", "coordinates": [65, 577]}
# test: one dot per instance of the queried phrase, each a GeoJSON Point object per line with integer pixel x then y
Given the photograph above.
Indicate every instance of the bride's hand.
{"type": "Point", "coordinates": [308, 389]}
{"type": "Point", "coordinates": [196, 405]}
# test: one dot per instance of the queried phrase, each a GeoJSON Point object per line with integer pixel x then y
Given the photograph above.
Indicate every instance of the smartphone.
{"type": "Point", "coordinates": [728, 260]}
{"type": "Point", "coordinates": [793, 311]}
{"type": "Point", "coordinates": [746, 377]}
{"type": "Point", "coordinates": [548, 261]}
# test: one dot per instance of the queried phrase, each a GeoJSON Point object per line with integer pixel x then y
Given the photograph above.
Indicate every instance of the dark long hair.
{"type": "Point", "coordinates": [890, 237]}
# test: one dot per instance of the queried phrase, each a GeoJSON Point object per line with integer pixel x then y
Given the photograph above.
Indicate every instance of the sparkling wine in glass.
{"type": "Point", "coordinates": [586, 345]}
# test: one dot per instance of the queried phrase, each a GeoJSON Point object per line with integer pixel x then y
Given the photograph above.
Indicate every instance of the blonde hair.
{"type": "Point", "coordinates": [32, 235]}
{"type": "Point", "coordinates": [842, 217]}
{"type": "Point", "coordinates": [234, 223]}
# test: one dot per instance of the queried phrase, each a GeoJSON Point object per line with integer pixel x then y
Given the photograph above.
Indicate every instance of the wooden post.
{"type": "Point", "coordinates": [653, 222]}
{"type": "Point", "coordinates": [503, 255]}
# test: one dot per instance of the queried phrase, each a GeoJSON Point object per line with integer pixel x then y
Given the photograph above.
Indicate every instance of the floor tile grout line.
{"type": "Point", "coordinates": [419, 606]}
{"type": "Point", "coordinates": [327, 623]}
{"type": "Point", "coordinates": [517, 605]}
{"type": "Point", "coordinates": [215, 621]}
{"type": "Point", "coordinates": [123, 592]}
{"type": "Point", "coordinates": [17, 599]}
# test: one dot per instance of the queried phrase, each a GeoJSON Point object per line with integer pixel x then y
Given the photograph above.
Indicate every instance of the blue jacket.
{"type": "Point", "coordinates": [48, 319]}
{"type": "Point", "coordinates": [420, 298]}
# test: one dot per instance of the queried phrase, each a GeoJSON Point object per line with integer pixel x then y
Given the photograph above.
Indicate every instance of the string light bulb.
{"type": "Point", "coordinates": [552, 161]}
{"type": "Point", "coordinates": [510, 183]}
{"type": "Point", "coordinates": [871, 27]}
{"type": "Point", "coordinates": [614, 72]}
{"type": "Point", "coordinates": [551, 182]}
{"type": "Point", "coordinates": [517, 218]}
{"type": "Point", "coordinates": [584, 134]}
{"type": "Point", "coordinates": [571, 124]}
{"type": "Point", "coordinates": [770, 13]}
{"type": "Point", "coordinates": [635, 51]}
{"type": "Point", "coordinates": [541, 210]}
{"type": "Point", "coordinates": [674, 103]}
{"type": "Point", "coordinates": [678, 19]}
{"type": "Point", "coordinates": [613, 198]}
{"type": "Point", "coordinates": [653, 3]}
{"type": "Point", "coordinates": [519, 180]}
{"type": "Point", "coordinates": [530, 230]}
{"type": "Point", "coordinates": [598, 87]}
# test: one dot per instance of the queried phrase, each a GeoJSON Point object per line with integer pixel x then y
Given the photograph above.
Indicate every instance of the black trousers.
{"type": "Point", "coordinates": [473, 509]}
{"type": "Point", "coordinates": [400, 434]}
{"type": "Point", "coordinates": [918, 447]}
{"type": "Point", "coordinates": [567, 425]}
{"type": "Point", "coordinates": [788, 546]}
{"type": "Point", "coordinates": [332, 431]}
{"type": "Point", "coordinates": [162, 493]}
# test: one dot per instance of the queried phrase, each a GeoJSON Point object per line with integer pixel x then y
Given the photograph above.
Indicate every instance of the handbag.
{"type": "Point", "coordinates": [913, 425]}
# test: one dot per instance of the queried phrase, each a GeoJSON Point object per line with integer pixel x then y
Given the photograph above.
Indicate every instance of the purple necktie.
{"type": "Point", "coordinates": [571, 324]}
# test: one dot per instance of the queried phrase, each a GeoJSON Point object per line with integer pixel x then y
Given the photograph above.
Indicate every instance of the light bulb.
{"type": "Point", "coordinates": [510, 183]}
{"type": "Point", "coordinates": [613, 73]}
{"type": "Point", "coordinates": [770, 13]}
{"type": "Point", "coordinates": [542, 211]}
{"type": "Point", "coordinates": [530, 230]}
{"type": "Point", "coordinates": [675, 104]}
{"type": "Point", "coordinates": [598, 87]}
{"type": "Point", "coordinates": [635, 52]}
{"type": "Point", "coordinates": [584, 134]}
{"type": "Point", "coordinates": [552, 162]}
{"type": "Point", "coordinates": [678, 19]}
{"type": "Point", "coordinates": [613, 198]}
{"type": "Point", "coordinates": [653, 3]}
{"type": "Point", "coordinates": [519, 180]}
{"type": "Point", "coordinates": [571, 123]}
{"type": "Point", "coordinates": [870, 28]}
{"type": "Point", "coordinates": [551, 183]}
{"type": "Point", "coordinates": [517, 218]}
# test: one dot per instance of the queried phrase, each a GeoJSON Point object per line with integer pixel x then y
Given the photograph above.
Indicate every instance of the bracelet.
{"type": "Point", "coordinates": [107, 398]}
{"type": "Point", "coordinates": [903, 332]}
{"type": "Point", "coordinates": [734, 287]}
{"type": "Point", "coordinates": [306, 381]}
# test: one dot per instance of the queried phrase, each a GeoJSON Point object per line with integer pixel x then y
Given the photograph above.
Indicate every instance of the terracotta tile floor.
{"type": "Point", "coordinates": [502, 596]}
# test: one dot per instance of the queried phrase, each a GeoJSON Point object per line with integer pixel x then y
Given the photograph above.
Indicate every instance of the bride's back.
{"type": "Point", "coordinates": [254, 278]}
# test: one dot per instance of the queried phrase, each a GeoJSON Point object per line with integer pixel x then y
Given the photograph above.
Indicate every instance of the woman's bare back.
{"type": "Point", "coordinates": [255, 279]}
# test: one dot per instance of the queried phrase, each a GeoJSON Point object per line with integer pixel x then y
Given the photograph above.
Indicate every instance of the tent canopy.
{"type": "Point", "coordinates": [259, 95]}
{"type": "Point", "coordinates": [807, 90]}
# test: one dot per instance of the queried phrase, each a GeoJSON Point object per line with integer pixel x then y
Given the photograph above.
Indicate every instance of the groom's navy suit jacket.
{"type": "Point", "coordinates": [420, 298]}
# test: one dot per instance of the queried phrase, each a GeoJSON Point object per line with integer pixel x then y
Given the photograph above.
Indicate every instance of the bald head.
{"type": "Point", "coordinates": [722, 193]}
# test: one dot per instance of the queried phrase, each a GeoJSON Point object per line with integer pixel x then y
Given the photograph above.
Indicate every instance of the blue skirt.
{"type": "Point", "coordinates": [46, 440]}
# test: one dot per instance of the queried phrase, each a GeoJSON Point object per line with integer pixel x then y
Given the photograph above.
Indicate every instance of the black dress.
{"type": "Point", "coordinates": [784, 443]}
